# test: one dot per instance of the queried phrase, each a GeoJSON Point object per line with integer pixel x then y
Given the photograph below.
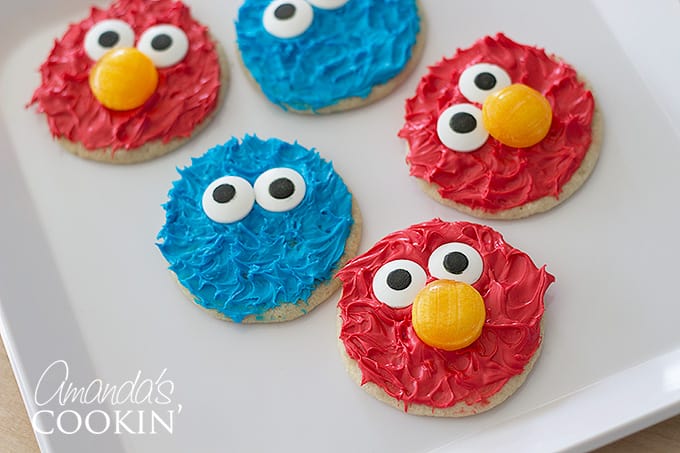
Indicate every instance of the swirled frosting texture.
{"type": "Point", "coordinates": [497, 177]}
{"type": "Point", "coordinates": [344, 53]}
{"type": "Point", "coordinates": [382, 341]}
{"type": "Point", "coordinates": [187, 92]}
{"type": "Point", "coordinates": [267, 258]}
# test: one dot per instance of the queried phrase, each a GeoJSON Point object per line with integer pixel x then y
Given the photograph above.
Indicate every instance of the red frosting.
{"type": "Point", "coordinates": [382, 341]}
{"type": "Point", "coordinates": [187, 92]}
{"type": "Point", "coordinates": [497, 177]}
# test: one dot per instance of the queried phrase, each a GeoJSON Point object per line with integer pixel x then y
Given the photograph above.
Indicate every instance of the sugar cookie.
{"type": "Point", "coordinates": [441, 318]}
{"type": "Point", "coordinates": [131, 82]}
{"type": "Point", "coordinates": [501, 130]}
{"type": "Point", "coordinates": [256, 229]}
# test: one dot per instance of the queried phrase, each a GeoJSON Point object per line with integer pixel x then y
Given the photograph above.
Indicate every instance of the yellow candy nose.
{"type": "Point", "coordinates": [123, 79]}
{"type": "Point", "coordinates": [517, 116]}
{"type": "Point", "coordinates": [448, 314]}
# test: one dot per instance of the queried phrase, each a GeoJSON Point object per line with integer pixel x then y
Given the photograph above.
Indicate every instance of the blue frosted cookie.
{"type": "Point", "coordinates": [255, 229]}
{"type": "Point", "coordinates": [321, 56]}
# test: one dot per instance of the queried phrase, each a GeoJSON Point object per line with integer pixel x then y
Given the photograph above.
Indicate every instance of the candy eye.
{"type": "Point", "coordinates": [396, 283]}
{"type": "Point", "coordinates": [456, 261]}
{"type": "Point", "coordinates": [228, 199]}
{"type": "Point", "coordinates": [106, 35]}
{"type": "Point", "coordinates": [328, 4]}
{"type": "Point", "coordinates": [279, 189]}
{"type": "Point", "coordinates": [165, 44]}
{"type": "Point", "coordinates": [480, 80]}
{"type": "Point", "coordinates": [460, 128]}
{"type": "Point", "coordinates": [287, 18]}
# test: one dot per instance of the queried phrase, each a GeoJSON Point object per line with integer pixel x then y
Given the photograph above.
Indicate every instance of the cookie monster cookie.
{"type": "Point", "coordinates": [256, 229]}
{"type": "Point", "coordinates": [501, 130]}
{"type": "Point", "coordinates": [131, 82]}
{"type": "Point", "coordinates": [322, 56]}
{"type": "Point", "coordinates": [441, 318]}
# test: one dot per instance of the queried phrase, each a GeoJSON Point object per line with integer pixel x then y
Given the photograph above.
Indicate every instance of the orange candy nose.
{"type": "Point", "coordinates": [448, 314]}
{"type": "Point", "coordinates": [517, 116]}
{"type": "Point", "coordinates": [123, 79]}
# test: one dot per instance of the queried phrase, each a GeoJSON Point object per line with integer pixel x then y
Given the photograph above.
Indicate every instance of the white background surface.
{"type": "Point", "coordinates": [81, 279]}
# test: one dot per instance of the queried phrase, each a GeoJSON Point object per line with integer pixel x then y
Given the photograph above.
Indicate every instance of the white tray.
{"type": "Point", "coordinates": [81, 279]}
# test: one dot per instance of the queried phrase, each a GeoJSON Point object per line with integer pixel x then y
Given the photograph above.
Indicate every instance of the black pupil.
{"type": "Point", "coordinates": [281, 188]}
{"type": "Point", "coordinates": [108, 39]}
{"type": "Point", "coordinates": [399, 279]}
{"type": "Point", "coordinates": [463, 122]}
{"type": "Point", "coordinates": [285, 11]}
{"type": "Point", "coordinates": [161, 42]}
{"type": "Point", "coordinates": [485, 81]}
{"type": "Point", "coordinates": [456, 262]}
{"type": "Point", "coordinates": [224, 193]}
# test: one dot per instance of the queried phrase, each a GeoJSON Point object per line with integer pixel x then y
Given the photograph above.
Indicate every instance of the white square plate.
{"type": "Point", "coordinates": [82, 281]}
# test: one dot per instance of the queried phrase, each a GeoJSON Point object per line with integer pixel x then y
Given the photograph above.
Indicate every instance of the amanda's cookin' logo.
{"type": "Point", "coordinates": [100, 407]}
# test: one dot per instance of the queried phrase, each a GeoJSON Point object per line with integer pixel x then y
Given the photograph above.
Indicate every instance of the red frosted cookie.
{"type": "Point", "coordinates": [501, 130]}
{"type": "Point", "coordinates": [131, 82]}
{"type": "Point", "coordinates": [441, 318]}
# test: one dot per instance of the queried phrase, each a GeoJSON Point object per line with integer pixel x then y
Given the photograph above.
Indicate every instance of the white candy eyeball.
{"type": "Point", "coordinates": [106, 35]}
{"type": "Point", "coordinates": [228, 199]}
{"type": "Point", "coordinates": [165, 45]}
{"type": "Point", "coordinates": [456, 261]}
{"type": "Point", "coordinates": [328, 4]}
{"type": "Point", "coordinates": [279, 189]}
{"type": "Point", "coordinates": [460, 128]}
{"type": "Point", "coordinates": [480, 80]}
{"type": "Point", "coordinates": [398, 282]}
{"type": "Point", "coordinates": [287, 18]}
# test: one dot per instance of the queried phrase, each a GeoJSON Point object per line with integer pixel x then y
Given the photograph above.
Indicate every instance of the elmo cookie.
{"type": "Point", "coordinates": [131, 82]}
{"type": "Point", "coordinates": [322, 56]}
{"type": "Point", "coordinates": [256, 229]}
{"type": "Point", "coordinates": [501, 130]}
{"type": "Point", "coordinates": [441, 318]}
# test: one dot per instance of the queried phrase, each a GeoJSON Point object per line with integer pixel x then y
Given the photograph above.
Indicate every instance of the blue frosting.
{"type": "Point", "coordinates": [344, 53]}
{"type": "Point", "coordinates": [267, 258]}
